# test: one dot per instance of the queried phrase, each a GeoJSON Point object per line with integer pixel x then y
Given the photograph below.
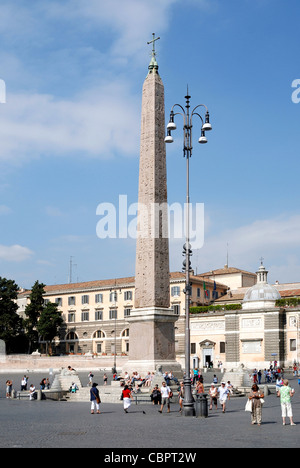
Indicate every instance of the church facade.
{"type": "Point", "coordinates": [258, 331]}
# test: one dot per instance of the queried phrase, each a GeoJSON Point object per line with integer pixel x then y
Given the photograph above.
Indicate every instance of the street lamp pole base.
{"type": "Point", "coordinates": [189, 410]}
{"type": "Point", "coordinates": [188, 403]}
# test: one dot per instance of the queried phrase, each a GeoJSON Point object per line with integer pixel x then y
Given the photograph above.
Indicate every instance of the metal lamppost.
{"type": "Point", "coordinates": [115, 296]}
{"type": "Point", "coordinates": [188, 404]}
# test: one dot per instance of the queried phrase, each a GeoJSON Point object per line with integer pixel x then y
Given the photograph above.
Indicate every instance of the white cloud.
{"type": "Point", "coordinates": [277, 240]}
{"type": "Point", "coordinates": [130, 21]}
{"type": "Point", "coordinates": [98, 123]}
{"type": "Point", "coordinates": [14, 253]}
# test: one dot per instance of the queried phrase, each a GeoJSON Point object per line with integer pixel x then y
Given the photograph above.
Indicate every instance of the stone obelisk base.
{"type": "Point", "coordinates": [152, 341]}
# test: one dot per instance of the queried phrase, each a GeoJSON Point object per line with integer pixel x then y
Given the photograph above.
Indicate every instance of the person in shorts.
{"type": "Point", "coordinates": [286, 393]}
{"type": "Point", "coordinates": [223, 395]}
{"type": "Point", "coordinates": [165, 397]}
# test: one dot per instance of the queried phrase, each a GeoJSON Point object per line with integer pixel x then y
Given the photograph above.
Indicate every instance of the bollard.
{"type": "Point", "coordinates": [39, 395]}
{"type": "Point", "coordinates": [201, 406]}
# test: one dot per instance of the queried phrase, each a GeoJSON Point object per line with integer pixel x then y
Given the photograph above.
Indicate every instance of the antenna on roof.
{"type": "Point", "coordinates": [71, 269]}
{"type": "Point", "coordinates": [227, 260]}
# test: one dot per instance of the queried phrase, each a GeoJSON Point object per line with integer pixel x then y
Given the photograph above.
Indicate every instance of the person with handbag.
{"type": "Point", "coordinates": [95, 399]}
{"type": "Point", "coordinates": [256, 397]}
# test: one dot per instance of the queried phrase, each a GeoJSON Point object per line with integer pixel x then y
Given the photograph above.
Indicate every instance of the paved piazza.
{"type": "Point", "coordinates": [48, 424]}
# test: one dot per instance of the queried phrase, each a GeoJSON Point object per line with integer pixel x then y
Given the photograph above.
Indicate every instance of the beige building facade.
{"type": "Point", "coordinates": [96, 313]}
{"type": "Point", "coordinates": [96, 321]}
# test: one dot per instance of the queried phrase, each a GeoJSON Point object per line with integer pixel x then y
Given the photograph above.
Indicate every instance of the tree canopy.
{"type": "Point", "coordinates": [10, 321]}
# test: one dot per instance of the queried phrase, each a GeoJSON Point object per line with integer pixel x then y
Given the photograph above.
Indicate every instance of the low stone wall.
{"type": "Point", "coordinates": [36, 363]}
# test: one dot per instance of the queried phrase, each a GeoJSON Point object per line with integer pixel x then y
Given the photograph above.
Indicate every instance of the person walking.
{"type": "Point", "coordinates": [165, 397]}
{"type": "Point", "coordinates": [90, 377]}
{"type": "Point", "coordinates": [223, 395]}
{"type": "Point", "coordinates": [286, 393]}
{"type": "Point", "coordinates": [181, 395]}
{"type": "Point", "coordinates": [127, 397]}
{"type": "Point", "coordinates": [95, 399]}
{"type": "Point", "coordinates": [256, 397]}
{"type": "Point", "coordinates": [213, 395]}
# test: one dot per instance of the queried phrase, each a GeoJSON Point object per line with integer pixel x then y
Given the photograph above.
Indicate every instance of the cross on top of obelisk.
{"type": "Point", "coordinates": [153, 63]}
{"type": "Point", "coordinates": [153, 44]}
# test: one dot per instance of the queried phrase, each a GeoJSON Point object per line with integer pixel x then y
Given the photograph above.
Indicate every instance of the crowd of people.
{"type": "Point", "coordinates": [162, 394]}
{"type": "Point", "coordinates": [44, 384]}
{"type": "Point", "coordinates": [270, 375]}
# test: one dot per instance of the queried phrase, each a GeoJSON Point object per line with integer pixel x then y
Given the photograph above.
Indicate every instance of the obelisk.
{"type": "Point", "coordinates": [152, 332]}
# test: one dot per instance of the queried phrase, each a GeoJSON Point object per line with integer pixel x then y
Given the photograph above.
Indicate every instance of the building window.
{"type": "Point", "coordinates": [98, 314]}
{"type": "Point", "coordinates": [293, 345]}
{"type": "Point", "coordinates": [99, 348]}
{"type": "Point", "coordinates": [46, 301]}
{"type": "Point", "coordinates": [113, 314]}
{"type": "Point", "coordinates": [99, 334]}
{"type": "Point", "coordinates": [71, 317]}
{"type": "Point", "coordinates": [175, 291]}
{"type": "Point", "coordinates": [58, 301]}
{"type": "Point", "coordinates": [113, 296]}
{"type": "Point", "coordinates": [85, 299]}
{"type": "Point", "coordinates": [125, 333]}
{"type": "Point", "coordinates": [71, 336]}
{"type": "Point", "coordinates": [193, 348]}
{"type": "Point", "coordinates": [198, 292]}
{"type": "Point", "coordinates": [127, 312]}
{"type": "Point", "coordinates": [71, 300]}
{"type": "Point", "coordinates": [98, 298]}
{"type": "Point", "coordinates": [85, 316]}
{"type": "Point", "coordinates": [222, 347]}
{"type": "Point", "coordinates": [176, 309]}
{"type": "Point", "coordinates": [128, 296]}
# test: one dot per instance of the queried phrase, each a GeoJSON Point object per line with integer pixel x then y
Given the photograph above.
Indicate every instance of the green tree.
{"type": "Point", "coordinates": [33, 312]}
{"type": "Point", "coordinates": [49, 324]}
{"type": "Point", "coordinates": [10, 321]}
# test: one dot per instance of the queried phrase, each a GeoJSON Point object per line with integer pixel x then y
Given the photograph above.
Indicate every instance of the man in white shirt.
{"type": "Point", "coordinates": [223, 394]}
{"type": "Point", "coordinates": [165, 397]}
{"type": "Point", "coordinates": [32, 392]}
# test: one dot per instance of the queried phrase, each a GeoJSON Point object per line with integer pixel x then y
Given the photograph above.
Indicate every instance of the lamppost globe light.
{"type": "Point", "coordinates": [202, 140]}
{"type": "Point", "coordinates": [171, 126]}
{"type": "Point", "coordinates": [207, 127]}
{"type": "Point", "coordinates": [169, 139]}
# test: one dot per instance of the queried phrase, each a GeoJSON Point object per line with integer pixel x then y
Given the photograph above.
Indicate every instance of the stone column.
{"type": "Point", "coordinates": [152, 333]}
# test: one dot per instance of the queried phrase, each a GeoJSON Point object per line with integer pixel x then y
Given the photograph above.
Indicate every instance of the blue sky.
{"type": "Point", "coordinates": [70, 129]}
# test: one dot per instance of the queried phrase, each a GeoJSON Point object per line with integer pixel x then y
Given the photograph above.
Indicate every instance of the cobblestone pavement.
{"type": "Point", "coordinates": [49, 424]}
